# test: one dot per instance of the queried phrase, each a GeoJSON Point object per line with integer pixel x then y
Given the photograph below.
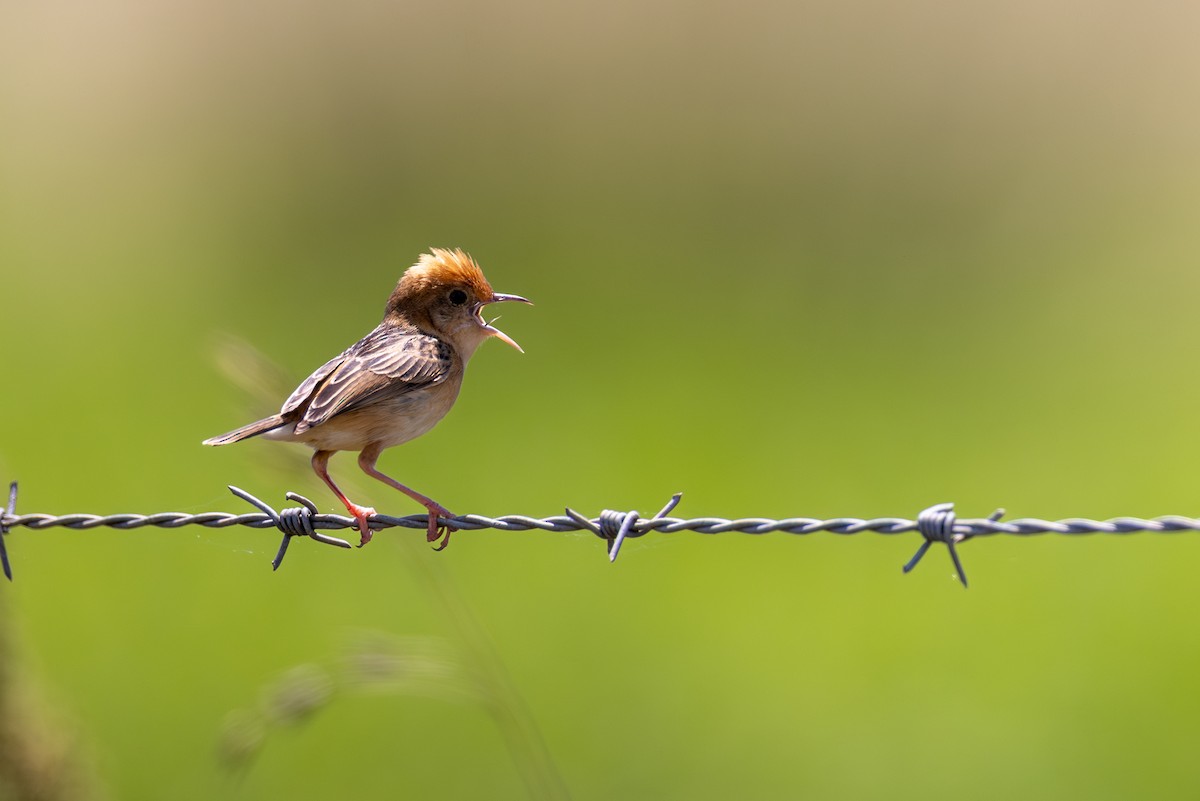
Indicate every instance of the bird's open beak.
{"type": "Point", "coordinates": [496, 332]}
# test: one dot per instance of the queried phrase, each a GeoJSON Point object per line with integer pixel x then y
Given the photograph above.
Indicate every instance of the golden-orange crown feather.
{"type": "Point", "coordinates": [440, 268]}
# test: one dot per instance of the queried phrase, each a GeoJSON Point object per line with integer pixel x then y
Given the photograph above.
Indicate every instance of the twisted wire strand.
{"type": "Point", "coordinates": [969, 528]}
{"type": "Point", "coordinates": [937, 525]}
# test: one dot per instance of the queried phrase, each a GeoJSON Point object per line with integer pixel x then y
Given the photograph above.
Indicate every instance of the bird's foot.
{"type": "Point", "coordinates": [437, 532]}
{"type": "Point", "coordinates": [361, 515]}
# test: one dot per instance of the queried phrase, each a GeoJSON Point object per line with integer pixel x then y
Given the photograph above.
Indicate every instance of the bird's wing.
{"type": "Point", "coordinates": [303, 392]}
{"type": "Point", "coordinates": [387, 359]}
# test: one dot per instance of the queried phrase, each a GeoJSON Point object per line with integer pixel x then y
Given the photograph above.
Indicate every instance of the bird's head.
{"type": "Point", "coordinates": [445, 293]}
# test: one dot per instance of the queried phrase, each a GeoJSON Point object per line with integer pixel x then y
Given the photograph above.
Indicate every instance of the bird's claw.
{"type": "Point", "coordinates": [361, 516]}
{"type": "Point", "coordinates": [439, 532]}
{"type": "Point", "coordinates": [443, 533]}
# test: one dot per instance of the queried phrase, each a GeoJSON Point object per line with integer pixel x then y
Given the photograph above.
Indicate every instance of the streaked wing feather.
{"type": "Point", "coordinates": [303, 392]}
{"type": "Point", "coordinates": [386, 360]}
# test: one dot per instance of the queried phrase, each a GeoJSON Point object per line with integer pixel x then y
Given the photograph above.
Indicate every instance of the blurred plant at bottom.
{"type": "Point", "coordinates": [41, 757]}
{"type": "Point", "coordinates": [375, 662]}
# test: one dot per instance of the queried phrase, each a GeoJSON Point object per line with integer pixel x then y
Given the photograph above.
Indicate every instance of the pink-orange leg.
{"type": "Point", "coordinates": [320, 463]}
{"type": "Point", "coordinates": [367, 459]}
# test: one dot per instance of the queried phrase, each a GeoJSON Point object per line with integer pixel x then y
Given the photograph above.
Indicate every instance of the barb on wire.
{"type": "Point", "coordinates": [936, 524]}
{"type": "Point", "coordinates": [614, 527]}
{"type": "Point", "coordinates": [294, 522]}
{"type": "Point", "coordinates": [9, 512]}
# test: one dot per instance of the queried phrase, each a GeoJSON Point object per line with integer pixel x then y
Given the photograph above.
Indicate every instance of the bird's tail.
{"type": "Point", "coordinates": [246, 431]}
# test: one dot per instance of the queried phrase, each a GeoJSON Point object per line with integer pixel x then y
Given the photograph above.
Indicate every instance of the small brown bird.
{"type": "Point", "coordinates": [395, 383]}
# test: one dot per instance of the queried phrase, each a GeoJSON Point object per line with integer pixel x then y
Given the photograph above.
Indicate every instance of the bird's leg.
{"type": "Point", "coordinates": [359, 513]}
{"type": "Point", "coordinates": [366, 460]}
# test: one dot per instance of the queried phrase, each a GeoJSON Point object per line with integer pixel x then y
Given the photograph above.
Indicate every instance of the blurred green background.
{"type": "Point", "coordinates": [795, 259]}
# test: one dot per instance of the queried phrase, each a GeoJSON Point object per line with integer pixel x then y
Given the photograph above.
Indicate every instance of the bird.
{"type": "Point", "coordinates": [395, 383]}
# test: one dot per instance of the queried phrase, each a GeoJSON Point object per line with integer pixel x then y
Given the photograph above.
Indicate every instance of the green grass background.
{"type": "Point", "coordinates": [793, 259]}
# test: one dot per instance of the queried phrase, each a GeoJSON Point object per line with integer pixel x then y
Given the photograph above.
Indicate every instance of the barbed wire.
{"type": "Point", "coordinates": [937, 523]}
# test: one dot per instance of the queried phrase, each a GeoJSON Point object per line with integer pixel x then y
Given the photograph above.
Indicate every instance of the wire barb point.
{"type": "Point", "coordinates": [9, 511]}
{"type": "Point", "coordinates": [296, 521]}
{"type": "Point", "coordinates": [614, 527]}
{"type": "Point", "coordinates": [937, 524]}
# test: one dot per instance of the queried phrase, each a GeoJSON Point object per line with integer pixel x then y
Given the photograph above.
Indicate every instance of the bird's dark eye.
{"type": "Point", "coordinates": [458, 297]}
